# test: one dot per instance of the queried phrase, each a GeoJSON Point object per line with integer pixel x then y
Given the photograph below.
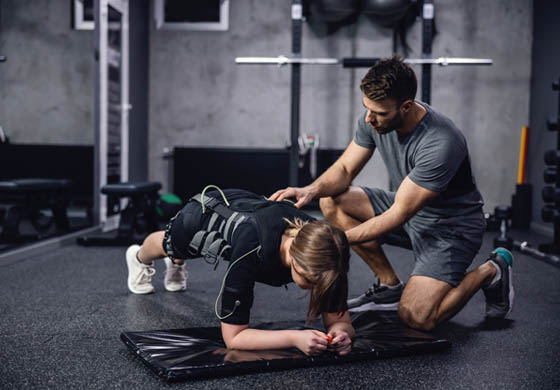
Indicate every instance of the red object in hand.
{"type": "Point", "coordinates": [329, 340]}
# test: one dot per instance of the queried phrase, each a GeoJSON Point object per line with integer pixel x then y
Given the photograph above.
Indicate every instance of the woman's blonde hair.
{"type": "Point", "coordinates": [322, 251]}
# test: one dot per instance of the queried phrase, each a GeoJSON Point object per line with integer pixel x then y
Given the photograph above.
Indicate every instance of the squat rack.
{"type": "Point", "coordinates": [296, 61]}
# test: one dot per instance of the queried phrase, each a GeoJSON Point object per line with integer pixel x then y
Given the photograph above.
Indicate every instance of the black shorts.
{"type": "Point", "coordinates": [443, 247]}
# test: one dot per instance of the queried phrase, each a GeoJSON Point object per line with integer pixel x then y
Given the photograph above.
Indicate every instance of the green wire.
{"type": "Point", "coordinates": [290, 201]}
{"type": "Point", "coordinates": [202, 196]}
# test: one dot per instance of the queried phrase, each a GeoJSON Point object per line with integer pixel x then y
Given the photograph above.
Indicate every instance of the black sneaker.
{"type": "Point", "coordinates": [499, 296]}
{"type": "Point", "coordinates": [377, 297]}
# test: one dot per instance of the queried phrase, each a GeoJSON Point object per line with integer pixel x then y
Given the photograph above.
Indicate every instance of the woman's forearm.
{"type": "Point", "coordinates": [255, 339]}
{"type": "Point", "coordinates": [309, 341]}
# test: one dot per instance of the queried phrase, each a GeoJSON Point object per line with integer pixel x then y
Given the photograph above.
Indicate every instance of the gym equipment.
{"type": "Point", "coordinates": [167, 206]}
{"type": "Point", "coordinates": [552, 157]}
{"type": "Point", "coordinates": [3, 137]}
{"type": "Point", "coordinates": [397, 15]}
{"type": "Point", "coordinates": [522, 199]}
{"type": "Point", "coordinates": [551, 192]}
{"type": "Point", "coordinates": [337, 12]}
{"type": "Point", "coordinates": [386, 13]}
{"type": "Point", "coordinates": [549, 175]}
{"type": "Point", "coordinates": [139, 216]}
{"type": "Point", "coordinates": [503, 215]}
{"type": "Point", "coordinates": [26, 198]}
{"type": "Point", "coordinates": [427, 40]}
{"type": "Point", "coordinates": [353, 62]}
{"type": "Point", "coordinates": [112, 106]}
{"type": "Point", "coordinates": [182, 354]}
{"type": "Point", "coordinates": [309, 144]}
{"type": "Point", "coordinates": [549, 214]}
{"type": "Point", "coordinates": [296, 60]}
{"type": "Point", "coordinates": [50, 162]}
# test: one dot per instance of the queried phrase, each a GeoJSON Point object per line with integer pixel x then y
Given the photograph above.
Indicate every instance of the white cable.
{"type": "Point", "coordinates": [237, 302]}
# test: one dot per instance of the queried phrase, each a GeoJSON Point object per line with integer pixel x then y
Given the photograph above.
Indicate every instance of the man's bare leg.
{"type": "Point", "coordinates": [350, 209]}
{"type": "Point", "coordinates": [426, 302]}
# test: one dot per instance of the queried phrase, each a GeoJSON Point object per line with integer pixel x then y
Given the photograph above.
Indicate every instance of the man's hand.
{"type": "Point", "coordinates": [311, 342]}
{"type": "Point", "coordinates": [341, 342]}
{"type": "Point", "coordinates": [302, 195]}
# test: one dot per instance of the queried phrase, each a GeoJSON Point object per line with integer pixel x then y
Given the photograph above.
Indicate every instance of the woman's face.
{"type": "Point", "coordinates": [298, 275]}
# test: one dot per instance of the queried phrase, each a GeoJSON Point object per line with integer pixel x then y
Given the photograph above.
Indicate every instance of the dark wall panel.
{"type": "Point", "coordinates": [544, 101]}
{"type": "Point", "coordinates": [262, 171]}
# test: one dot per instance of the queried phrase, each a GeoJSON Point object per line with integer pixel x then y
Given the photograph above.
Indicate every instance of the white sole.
{"type": "Point", "coordinates": [511, 291]}
{"type": "Point", "coordinates": [376, 306]}
{"type": "Point", "coordinates": [175, 290]}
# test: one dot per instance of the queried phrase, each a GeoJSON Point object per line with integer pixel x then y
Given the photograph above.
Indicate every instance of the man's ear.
{"type": "Point", "coordinates": [407, 106]}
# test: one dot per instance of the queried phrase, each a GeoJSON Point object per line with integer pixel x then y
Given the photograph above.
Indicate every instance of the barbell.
{"type": "Point", "coordinates": [351, 62]}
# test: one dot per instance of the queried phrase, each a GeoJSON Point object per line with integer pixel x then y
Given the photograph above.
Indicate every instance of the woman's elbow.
{"type": "Point", "coordinates": [231, 335]}
{"type": "Point", "coordinates": [231, 342]}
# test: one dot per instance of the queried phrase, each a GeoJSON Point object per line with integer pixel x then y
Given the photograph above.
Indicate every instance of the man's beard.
{"type": "Point", "coordinates": [395, 123]}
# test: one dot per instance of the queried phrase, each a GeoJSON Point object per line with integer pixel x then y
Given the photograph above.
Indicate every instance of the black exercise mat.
{"type": "Point", "coordinates": [181, 354]}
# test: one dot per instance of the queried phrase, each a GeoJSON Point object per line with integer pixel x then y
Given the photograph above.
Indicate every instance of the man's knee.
{"type": "Point", "coordinates": [420, 303]}
{"type": "Point", "coordinates": [416, 317]}
{"type": "Point", "coordinates": [328, 207]}
{"type": "Point", "coordinates": [331, 205]}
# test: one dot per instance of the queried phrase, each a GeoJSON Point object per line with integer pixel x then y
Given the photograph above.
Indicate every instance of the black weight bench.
{"type": "Point", "coordinates": [25, 199]}
{"type": "Point", "coordinates": [138, 217]}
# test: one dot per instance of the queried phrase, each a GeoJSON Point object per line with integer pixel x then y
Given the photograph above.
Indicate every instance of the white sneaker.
{"type": "Point", "coordinates": [139, 275]}
{"type": "Point", "coordinates": [175, 276]}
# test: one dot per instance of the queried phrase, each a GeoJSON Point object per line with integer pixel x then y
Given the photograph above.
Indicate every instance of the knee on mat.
{"type": "Point", "coordinates": [416, 319]}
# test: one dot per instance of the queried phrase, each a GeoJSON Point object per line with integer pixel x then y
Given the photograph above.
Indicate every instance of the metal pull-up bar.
{"type": "Point", "coordinates": [350, 62]}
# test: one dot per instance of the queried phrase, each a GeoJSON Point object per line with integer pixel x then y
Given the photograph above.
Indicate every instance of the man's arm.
{"type": "Point", "coordinates": [333, 181]}
{"type": "Point", "coordinates": [410, 198]}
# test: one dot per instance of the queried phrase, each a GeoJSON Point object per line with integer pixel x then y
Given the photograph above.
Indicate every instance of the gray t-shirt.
{"type": "Point", "coordinates": [434, 156]}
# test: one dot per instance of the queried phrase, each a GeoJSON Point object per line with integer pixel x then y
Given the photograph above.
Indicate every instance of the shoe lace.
{"type": "Point", "coordinates": [146, 274]}
{"type": "Point", "coordinates": [176, 273]}
{"type": "Point", "coordinates": [374, 287]}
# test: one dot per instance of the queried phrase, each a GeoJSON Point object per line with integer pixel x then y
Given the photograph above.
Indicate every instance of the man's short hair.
{"type": "Point", "coordinates": [390, 78]}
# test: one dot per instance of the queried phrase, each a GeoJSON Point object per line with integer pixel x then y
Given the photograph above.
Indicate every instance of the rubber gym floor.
{"type": "Point", "coordinates": [62, 313]}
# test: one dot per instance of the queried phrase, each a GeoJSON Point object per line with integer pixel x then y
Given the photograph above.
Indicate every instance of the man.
{"type": "Point", "coordinates": [436, 210]}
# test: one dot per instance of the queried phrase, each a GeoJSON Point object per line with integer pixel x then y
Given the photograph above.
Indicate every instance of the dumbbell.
{"type": "Point", "coordinates": [550, 175]}
{"type": "Point", "coordinates": [503, 215]}
{"type": "Point", "coordinates": [552, 157]}
{"type": "Point", "coordinates": [550, 194]}
{"type": "Point", "coordinates": [549, 214]}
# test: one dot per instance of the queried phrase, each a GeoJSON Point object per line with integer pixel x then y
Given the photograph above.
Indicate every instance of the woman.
{"type": "Point", "coordinates": [268, 242]}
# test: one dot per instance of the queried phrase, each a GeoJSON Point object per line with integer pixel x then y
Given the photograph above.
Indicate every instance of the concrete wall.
{"type": "Point", "coordinates": [200, 97]}
{"type": "Point", "coordinates": [47, 83]}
